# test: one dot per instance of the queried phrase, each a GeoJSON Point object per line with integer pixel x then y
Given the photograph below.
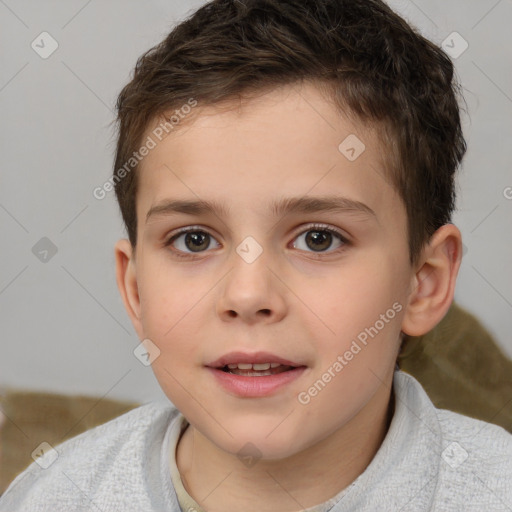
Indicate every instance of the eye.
{"type": "Point", "coordinates": [193, 239]}
{"type": "Point", "coordinates": [319, 238]}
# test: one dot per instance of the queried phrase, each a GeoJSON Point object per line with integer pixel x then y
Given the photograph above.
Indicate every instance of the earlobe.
{"type": "Point", "coordinates": [434, 282]}
{"type": "Point", "coordinates": [127, 282]}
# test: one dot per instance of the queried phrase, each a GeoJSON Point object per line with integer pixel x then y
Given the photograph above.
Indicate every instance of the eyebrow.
{"type": "Point", "coordinates": [334, 204]}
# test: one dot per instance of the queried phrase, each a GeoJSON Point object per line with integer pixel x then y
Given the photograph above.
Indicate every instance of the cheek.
{"type": "Point", "coordinates": [167, 298]}
{"type": "Point", "coordinates": [172, 316]}
{"type": "Point", "coordinates": [363, 308]}
{"type": "Point", "coordinates": [171, 311]}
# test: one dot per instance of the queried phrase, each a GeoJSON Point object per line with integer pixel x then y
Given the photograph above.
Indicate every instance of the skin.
{"type": "Point", "coordinates": [300, 303]}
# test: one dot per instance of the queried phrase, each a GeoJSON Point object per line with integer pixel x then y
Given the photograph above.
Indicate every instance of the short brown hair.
{"type": "Point", "coordinates": [375, 66]}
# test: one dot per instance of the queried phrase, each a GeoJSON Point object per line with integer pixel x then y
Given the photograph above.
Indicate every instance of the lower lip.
{"type": "Point", "coordinates": [254, 387]}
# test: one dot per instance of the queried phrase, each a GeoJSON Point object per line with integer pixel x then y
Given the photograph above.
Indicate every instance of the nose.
{"type": "Point", "coordinates": [252, 292]}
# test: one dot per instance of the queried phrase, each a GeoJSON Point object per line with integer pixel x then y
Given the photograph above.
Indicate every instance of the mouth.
{"type": "Point", "coordinates": [256, 383]}
{"type": "Point", "coordinates": [257, 364]}
{"type": "Point", "coordinates": [259, 374]}
{"type": "Point", "coordinates": [256, 369]}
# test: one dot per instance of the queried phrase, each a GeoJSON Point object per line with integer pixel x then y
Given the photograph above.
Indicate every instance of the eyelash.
{"type": "Point", "coordinates": [314, 227]}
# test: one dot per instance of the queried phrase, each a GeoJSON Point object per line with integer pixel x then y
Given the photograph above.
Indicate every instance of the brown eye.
{"type": "Point", "coordinates": [197, 241]}
{"type": "Point", "coordinates": [320, 239]}
{"type": "Point", "coordinates": [191, 241]}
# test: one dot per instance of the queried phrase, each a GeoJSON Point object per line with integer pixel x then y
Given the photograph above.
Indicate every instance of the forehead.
{"type": "Point", "coordinates": [289, 141]}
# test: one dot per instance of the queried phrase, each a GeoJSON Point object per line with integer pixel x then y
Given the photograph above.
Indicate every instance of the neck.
{"type": "Point", "coordinates": [216, 480]}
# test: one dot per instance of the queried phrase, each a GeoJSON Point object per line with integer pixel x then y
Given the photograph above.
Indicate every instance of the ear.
{"type": "Point", "coordinates": [433, 283]}
{"type": "Point", "coordinates": [127, 282]}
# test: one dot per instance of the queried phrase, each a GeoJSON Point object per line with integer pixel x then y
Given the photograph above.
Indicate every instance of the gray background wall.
{"type": "Point", "coordinates": [63, 325]}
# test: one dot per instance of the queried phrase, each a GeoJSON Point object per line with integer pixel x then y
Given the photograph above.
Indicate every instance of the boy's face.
{"type": "Point", "coordinates": [255, 281]}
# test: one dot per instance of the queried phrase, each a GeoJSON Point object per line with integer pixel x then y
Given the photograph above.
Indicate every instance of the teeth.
{"type": "Point", "coordinates": [256, 366]}
{"type": "Point", "coordinates": [261, 366]}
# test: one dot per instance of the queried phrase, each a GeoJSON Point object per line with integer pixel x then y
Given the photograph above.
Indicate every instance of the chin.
{"type": "Point", "coordinates": [262, 442]}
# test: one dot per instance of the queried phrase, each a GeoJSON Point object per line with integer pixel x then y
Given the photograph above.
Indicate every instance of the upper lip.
{"type": "Point", "coordinates": [255, 357]}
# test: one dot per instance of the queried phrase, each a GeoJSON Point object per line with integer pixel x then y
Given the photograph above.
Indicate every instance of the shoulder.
{"type": "Point", "coordinates": [475, 434]}
{"type": "Point", "coordinates": [470, 459]}
{"type": "Point", "coordinates": [475, 466]}
{"type": "Point", "coordinates": [475, 441]}
{"type": "Point", "coordinates": [107, 459]}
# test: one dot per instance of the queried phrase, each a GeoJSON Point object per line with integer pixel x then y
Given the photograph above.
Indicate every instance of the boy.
{"type": "Point", "coordinates": [285, 171]}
